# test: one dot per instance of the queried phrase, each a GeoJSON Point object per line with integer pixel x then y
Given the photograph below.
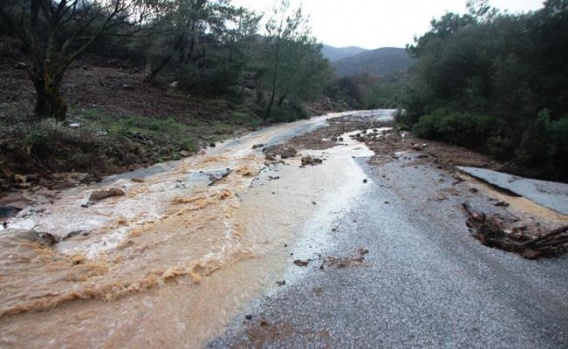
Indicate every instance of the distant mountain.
{"type": "Point", "coordinates": [382, 61]}
{"type": "Point", "coordinates": [336, 53]}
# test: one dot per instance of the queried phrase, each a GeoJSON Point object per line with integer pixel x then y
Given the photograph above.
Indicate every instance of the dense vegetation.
{"type": "Point", "coordinates": [380, 62]}
{"type": "Point", "coordinates": [497, 83]}
{"type": "Point", "coordinates": [494, 82]}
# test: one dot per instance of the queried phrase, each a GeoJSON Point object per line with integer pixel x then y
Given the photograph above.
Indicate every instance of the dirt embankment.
{"type": "Point", "coordinates": [115, 123]}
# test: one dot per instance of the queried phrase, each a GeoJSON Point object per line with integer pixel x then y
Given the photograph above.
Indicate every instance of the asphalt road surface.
{"type": "Point", "coordinates": [425, 282]}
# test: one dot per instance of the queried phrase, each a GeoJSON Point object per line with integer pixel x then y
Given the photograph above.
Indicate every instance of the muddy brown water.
{"type": "Point", "coordinates": [174, 260]}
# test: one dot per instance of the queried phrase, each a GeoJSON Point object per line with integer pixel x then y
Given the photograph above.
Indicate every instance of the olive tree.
{"type": "Point", "coordinates": [55, 32]}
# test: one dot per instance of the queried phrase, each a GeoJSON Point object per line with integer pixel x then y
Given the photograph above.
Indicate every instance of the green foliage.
{"type": "Point", "coordinates": [35, 137]}
{"type": "Point", "coordinates": [460, 128]}
{"type": "Point", "coordinates": [245, 119]}
{"type": "Point", "coordinates": [291, 64]}
{"type": "Point", "coordinates": [365, 91]}
{"type": "Point", "coordinates": [558, 132]}
{"type": "Point", "coordinates": [497, 83]}
{"type": "Point", "coordinates": [203, 45]}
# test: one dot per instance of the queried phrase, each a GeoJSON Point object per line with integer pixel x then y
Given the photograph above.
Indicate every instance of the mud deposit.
{"type": "Point", "coordinates": [171, 261]}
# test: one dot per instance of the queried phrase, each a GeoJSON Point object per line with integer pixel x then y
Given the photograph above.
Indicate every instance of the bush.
{"type": "Point", "coordinates": [460, 128]}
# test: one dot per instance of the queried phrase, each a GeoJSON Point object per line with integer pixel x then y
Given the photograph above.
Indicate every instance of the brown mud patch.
{"type": "Point", "coordinates": [388, 145]}
{"type": "Point", "coordinates": [357, 260]}
{"type": "Point", "coordinates": [262, 333]}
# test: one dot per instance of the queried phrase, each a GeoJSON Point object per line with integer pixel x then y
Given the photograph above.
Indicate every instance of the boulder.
{"type": "Point", "coordinates": [103, 194]}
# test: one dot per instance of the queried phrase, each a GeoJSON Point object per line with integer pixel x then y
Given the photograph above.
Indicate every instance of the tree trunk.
{"type": "Point", "coordinates": [42, 107]}
{"type": "Point", "coordinates": [274, 78]}
{"type": "Point", "coordinates": [49, 101]}
{"type": "Point", "coordinates": [281, 100]}
{"type": "Point", "coordinates": [269, 108]}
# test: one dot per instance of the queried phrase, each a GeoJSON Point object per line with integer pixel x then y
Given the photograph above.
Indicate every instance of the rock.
{"type": "Point", "coordinates": [9, 211]}
{"type": "Point", "coordinates": [101, 133]}
{"type": "Point", "coordinates": [269, 157]}
{"type": "Point", "coordinates": [301, 263]}
{"type": "Point", "coordinates": [75, 125]}
{"type": "Point", "coordinates": [174, 84]}
{"type": "Point", "coordinates": [46, 239]}
{"type": "Point", "coordinates": [185, 153]}
{"type": "Point", "coordinates": [502, 204]}
{"type": "Point", "coordinates": [340, 139]}
{"type": "Point", "coordinates": [216, 178]}
{"type": "Point", "coordinates": [308, 160]}
{"type": "Point", "coordinates": [440, 197]}
{"type": "Point", "coordinates": [248, 317]}
{"type": "Point", "coordinates": [365, 180]}
{"type": "Point", "coordinates": [334, 139]}
{"type": "Point", "coordinates": [21, 181]}
{"type": "Point", "coordinates": [288, 153]}
{"type": "Point", "coordinates": [417, 146]}
{"type": "Point", "coordinates": [103, 194]}
{"type": "Point", "coordinates": [256, 146]}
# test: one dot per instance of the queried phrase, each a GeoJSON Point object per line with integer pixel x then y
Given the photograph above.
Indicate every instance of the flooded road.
{"type": "Point", "coordinates": [172, 261]}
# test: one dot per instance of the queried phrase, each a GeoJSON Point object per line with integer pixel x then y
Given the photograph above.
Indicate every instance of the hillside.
{"type": "Point", "coordinates": [382, 61]}
{"type": "Point", "coordinates": [336, 53]}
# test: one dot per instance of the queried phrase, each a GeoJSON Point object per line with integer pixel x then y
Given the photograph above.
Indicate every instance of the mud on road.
{"type": "Point", "coordinates": [192, 244]}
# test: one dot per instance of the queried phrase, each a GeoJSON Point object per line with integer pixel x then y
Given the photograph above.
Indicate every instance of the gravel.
{"type": "Point", "coordinates": [424, 283]}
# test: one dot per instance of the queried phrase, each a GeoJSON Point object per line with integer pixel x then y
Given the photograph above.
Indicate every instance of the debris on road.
{"type": "Point", "coordinates": [309, 160]}
{"type": "Point", "coordinates": [345, 262]}
{"type": "Point", "coordinates": [491, 232]}
{"type": "Point", "coordinates": [301, 263]}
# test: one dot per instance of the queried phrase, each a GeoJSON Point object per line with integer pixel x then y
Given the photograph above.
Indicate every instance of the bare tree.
{"type": "Point", "coordinates": [55, 32]}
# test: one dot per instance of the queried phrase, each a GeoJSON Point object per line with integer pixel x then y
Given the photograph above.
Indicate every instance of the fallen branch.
{"type": "Point", "coordinates": [491, 233]}
{"type": "Point", "coordinates": [552, 234]}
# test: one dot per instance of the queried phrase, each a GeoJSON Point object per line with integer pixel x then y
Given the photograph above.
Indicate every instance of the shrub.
{"type": "Point", "coordinates": [460, 128]}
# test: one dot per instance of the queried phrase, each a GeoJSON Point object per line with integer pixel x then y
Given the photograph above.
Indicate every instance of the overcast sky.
{"type": "Point", "coordinates": [378, 23]}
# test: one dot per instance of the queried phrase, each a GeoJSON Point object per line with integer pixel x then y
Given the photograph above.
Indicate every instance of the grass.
{"type": "Point", "coordinates": [107, 142]}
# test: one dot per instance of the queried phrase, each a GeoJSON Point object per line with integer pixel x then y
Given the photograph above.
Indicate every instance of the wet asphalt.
{"type": "Point", "coordinates": [425, 283]}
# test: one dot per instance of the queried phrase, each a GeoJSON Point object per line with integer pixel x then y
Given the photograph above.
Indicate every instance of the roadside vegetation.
{"type": "Point", "coordinates": [106, 86]}
{"type": "Point", "coordinates": [497, 83]}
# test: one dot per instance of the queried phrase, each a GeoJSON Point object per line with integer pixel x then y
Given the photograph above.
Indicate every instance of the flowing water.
{"type": "Point", "coordinates": [173, 260]}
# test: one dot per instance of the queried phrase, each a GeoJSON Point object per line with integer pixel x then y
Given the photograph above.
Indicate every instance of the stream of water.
{"type": "Point", "coordinates": [173, 260]}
